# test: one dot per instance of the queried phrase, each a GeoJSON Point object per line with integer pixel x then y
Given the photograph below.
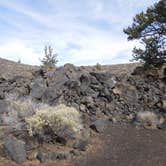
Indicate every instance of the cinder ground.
{"type": "Point", "coordinates": [127, 146]}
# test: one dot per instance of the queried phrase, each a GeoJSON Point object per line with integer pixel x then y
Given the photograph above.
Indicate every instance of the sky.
{"type": "Point", "coordinates": [81, 32]}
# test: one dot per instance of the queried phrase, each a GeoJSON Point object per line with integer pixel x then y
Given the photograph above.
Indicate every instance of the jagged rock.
{"type": "Point", "coordinates": [61, 155]}
{"type": "Point", "coordinates": [106, 93]}
{"type": "Point", "coordinates": [30, 143]}
{"type": "Point", "coordinates": [42, 157]}
{"type": "Point", "coordinates": [101, 76]}
{"type": "Point", "coordinates": [2, 95]}
{"type": "Point", "coordinates": [37, 89]}
{"type": "Point", "coordinates": [85, 82]}
{"type": "Point", "coordinates": [56, 78]}
{"type": "Point", "coordinates": [40, 72]}
{"type": "Point", "coordinates": [81, 145]}
{"type": "Point", "coordinates": [163, 106]}
{"type": "Point", "coordinates": [138, 70]}
{"type": "Point", "coordinates": [15, 149]}
{"type": "Point", "coordinates": [72, 84]}
{"type": "Point", "coordinates": [75, 152]}
{"type": "Point", "coordinates": [98, 125]}
{"type": "Point", "coordinates": [151, 72]}
{"type": "Point", "coordinates": [4, 106]}
{"type": "Point", "coordinates": [164, 72]}
{"type": "Point", "coordinates": [50, 95]}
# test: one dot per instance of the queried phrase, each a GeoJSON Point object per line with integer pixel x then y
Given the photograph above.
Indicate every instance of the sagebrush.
{"type": "Point", "coordinates": [60, 119]}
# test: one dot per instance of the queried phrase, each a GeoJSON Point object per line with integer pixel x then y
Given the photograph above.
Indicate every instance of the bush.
{"type": "Point", "coordinates": [98, 66]}
{"type": "Point", "coordinates": [148, 119]}
{"type": "Point", "coordinates": [62, 120]}
{"type": "Point", "coordinates": [24, 108]}
{"type": "Point", "coordinates": [50, 59]}
{"type": "Point", "coordinates": [18, 109]}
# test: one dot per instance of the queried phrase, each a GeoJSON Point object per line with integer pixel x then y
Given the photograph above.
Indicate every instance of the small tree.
{"type": "Point", "coordinates": [150, 28]}
{"type": "Point", "coordinates": [50, 59]}
{"type": "Point", "coordinates": [19, 61]}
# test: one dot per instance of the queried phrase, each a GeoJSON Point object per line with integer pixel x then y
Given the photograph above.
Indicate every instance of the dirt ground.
{"type": "Point", "coordinates": [127, 146]}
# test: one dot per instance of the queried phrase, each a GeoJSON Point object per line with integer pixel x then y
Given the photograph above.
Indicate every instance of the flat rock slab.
{"type": "Point", "coordinates": [125, 145]}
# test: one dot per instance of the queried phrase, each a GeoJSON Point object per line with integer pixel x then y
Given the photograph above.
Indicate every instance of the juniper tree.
{"type": "Point", "coordinates": [150, 28]}
{"type": "Point", "coordinates": [50, 59]}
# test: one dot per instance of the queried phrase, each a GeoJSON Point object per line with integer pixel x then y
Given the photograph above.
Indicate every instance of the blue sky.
{"type": "Point", "coordinates": [82, 32]}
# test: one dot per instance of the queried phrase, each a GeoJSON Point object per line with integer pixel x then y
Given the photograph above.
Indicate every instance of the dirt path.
{"type": "Point", "coordinates": [128, 146]}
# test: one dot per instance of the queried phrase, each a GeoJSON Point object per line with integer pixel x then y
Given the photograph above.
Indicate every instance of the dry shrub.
{"type": "Point", "coordinates": [98, 66]}
{"type": "Point", "coordinates": [24, 108]}
{"type": "Point", "coordinates": [148, 119]}
{"type": "Point", "coordinates": [61, 119]}
{"type": "Point", "coordinates": [18, 110]}
{"type": "Point", "coordinates": [24, 114]}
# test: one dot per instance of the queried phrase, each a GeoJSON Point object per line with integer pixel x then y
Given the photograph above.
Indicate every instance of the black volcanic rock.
{"type": "Point", "coordinates": [15, 149]}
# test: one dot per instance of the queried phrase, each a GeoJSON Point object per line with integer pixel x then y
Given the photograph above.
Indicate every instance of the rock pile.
{"type": "Point", "coordinates": [100, 96]}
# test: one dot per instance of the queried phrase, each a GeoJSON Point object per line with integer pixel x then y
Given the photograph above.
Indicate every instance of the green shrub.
{"type": "Point", "coordinates": [50, 59]}
{"type": "Point", "coordinates": [98, 66]}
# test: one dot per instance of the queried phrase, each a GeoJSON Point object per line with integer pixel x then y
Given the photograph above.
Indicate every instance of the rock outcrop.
{"type": "Point", "coordinates": [100, 96]}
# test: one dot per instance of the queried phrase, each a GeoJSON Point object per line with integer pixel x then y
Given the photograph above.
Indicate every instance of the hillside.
{"type": "Point", "coordinates": [9, 68]}
{"type": "Point", "coordinates": [82, 115]}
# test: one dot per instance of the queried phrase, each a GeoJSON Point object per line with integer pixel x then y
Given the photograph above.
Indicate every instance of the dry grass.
{"type": "Point", "coordinates": [148, 119]}
{"type": "Point", "coordinates": [24, 112]}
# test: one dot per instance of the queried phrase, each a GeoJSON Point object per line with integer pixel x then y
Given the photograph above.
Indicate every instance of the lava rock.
{"type": "Point", "coordinates": [49, 95]}
{"type": "Point", "coordinates": [99, 125]}
{"type": "Point", "coordinates": [100, 76]}
{"type": "Point", "coordinates": [2, 95]}
{"type": "Point", "coordinates": [164, 104]}
{"type": "Point", "coordinates": [75, 152]}
{"type": "Point", "coordinates": [81, 145]}
{"type": "Point", "coordinates": [15, 149]}
{"type": "Point", "coordinates": [85, 82]}
{"type": "Point", "coordinates": [63, 155]}
{"type": "Point", "coordinates": [42, 157]}
{"type": "Point", "coordinates": [37, 89]}
{"type": "Point", "coordinates": [4, 106]}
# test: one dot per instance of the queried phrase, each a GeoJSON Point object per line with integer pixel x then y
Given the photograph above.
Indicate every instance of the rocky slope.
{"type": "Point", "coordinates": [110, 94]}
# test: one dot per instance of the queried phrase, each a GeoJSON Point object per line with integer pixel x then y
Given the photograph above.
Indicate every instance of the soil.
{"type": "Point", "coordinates": [126, 145]}
{"type": "Point", "coordinates": [121, 145]}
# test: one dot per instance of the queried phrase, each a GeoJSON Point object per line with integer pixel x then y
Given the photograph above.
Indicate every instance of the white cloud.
{"type": "Point", "coordinates": [60, 23]}
{"type": "Point", "coordinates": [15, 50]}
{"type": "Point", "coordinates": [98, 48]}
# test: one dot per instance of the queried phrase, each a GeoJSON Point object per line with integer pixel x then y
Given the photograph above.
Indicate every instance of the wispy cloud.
{"type": "Point", "coordinates": [82, 32]}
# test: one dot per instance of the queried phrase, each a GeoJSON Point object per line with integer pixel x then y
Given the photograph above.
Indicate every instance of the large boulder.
{"type": "Point", "coordinates": [85, 82]}
{"type": "Point", "coordinates": [15, 149]}
{"type": "Point", "coordinates": [2, 95]}
{"type": "Point", "coordinates": [4, 106]}
{"type": "Point", "coordinates": [58, 155]}
{"type": "Point", "coordinates": [37, 89]}
{"type": "Point", "coordinates": [50, 95]}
